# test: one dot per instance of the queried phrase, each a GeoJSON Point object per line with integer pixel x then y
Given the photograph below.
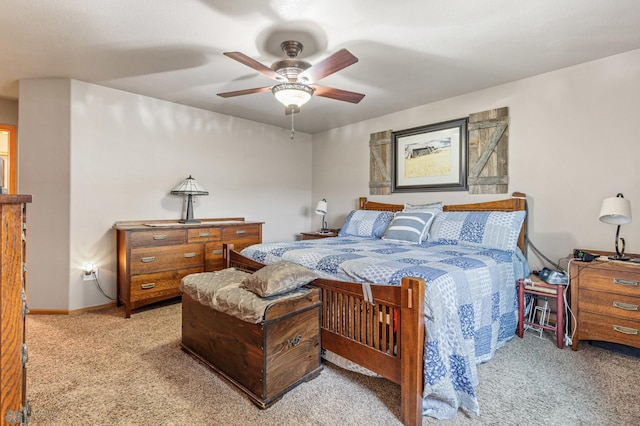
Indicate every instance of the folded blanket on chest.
{"type": "Point", "coordinates": [223, 291]}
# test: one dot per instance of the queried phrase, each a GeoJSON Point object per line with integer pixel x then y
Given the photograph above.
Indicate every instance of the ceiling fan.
{"type": "Point", "coordinates": [296, 78]}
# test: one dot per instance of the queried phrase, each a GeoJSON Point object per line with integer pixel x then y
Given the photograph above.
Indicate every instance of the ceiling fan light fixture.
{"type": "Point", "coordinates": [295, 94]}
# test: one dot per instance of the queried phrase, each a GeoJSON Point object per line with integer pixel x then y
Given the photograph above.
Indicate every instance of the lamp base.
{"type": "Point", "coordinates": [187, 221]}
{"type": "Point", "coordinates": [622, 258]}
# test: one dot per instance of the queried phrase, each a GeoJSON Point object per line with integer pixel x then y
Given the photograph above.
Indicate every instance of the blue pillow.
{"type": "Point", "coordinates": [498, 230]}
{"type": "Point", "coordinates": [409, 226]}
{"type": "Point", "coordinates": [366, 223]}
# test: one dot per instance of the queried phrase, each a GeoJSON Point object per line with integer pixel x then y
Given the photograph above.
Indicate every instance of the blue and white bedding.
{"type": "Point", "coordinates": [470, 303]}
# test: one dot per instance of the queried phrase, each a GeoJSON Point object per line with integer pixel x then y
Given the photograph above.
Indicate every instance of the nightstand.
{"type": "Point", "coordinates": [318, 235]}
{"type": "Point", "coordinates": [605, 299]}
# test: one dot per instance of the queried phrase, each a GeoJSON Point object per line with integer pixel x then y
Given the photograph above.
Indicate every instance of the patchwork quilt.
{"type": "Point", "coordinates": [470, 304]}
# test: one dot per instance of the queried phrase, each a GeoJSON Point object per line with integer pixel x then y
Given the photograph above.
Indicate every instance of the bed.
{"type": "Point", "coordinates": [422, 324]}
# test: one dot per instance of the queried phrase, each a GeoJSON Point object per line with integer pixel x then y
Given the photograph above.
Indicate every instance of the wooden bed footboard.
{"type": "Point", "coordinates": [386, 336]}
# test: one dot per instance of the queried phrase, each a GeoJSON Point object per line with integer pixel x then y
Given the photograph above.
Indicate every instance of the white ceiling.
{"type": "Point", "coordinates": [410, 52]}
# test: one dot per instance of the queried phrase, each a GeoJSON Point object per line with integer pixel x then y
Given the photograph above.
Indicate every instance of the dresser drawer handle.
{"type": "Point", "coordinates": [625, 330]}
{"type": "Point", "coordinates": [148, 259]}
{"type": "Point", "coordinates": [159, 237]}
{"type": "Point", "coordinates": [625, 282]}
{"type": "Point", "coordinates": [625, 306]}
{"type": "Point", "coordinates": [219, 251]}
{"type": "Point", "coordinates": [148, 286]}
{"type": "Point", "coordinates": [205, 234]}
{"type": "Point", "coordinates": [241, 231]}
{"type": "Point", "coordinates": [189, 255]}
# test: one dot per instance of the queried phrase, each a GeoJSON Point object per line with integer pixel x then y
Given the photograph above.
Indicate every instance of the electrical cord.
{"type": "Point", "coordinates": [535, 249]}
{"type": "Point", "coordinates": [95, 277]}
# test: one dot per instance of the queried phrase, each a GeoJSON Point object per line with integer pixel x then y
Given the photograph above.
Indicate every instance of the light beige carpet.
{"type": "Point", "coordinates": [101, 369]}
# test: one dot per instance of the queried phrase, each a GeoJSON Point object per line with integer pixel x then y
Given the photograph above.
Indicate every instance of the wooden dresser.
{"type": "Point", "coordinates": [605, 298]}
{"type": "Point", "coordinates": [13, 309]}
{"type": "Point", "coordinates": [153, 256]}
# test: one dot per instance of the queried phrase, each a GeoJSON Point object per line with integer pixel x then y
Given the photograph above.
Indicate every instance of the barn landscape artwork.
{"type": "Point", "coordinates": [431, 158]}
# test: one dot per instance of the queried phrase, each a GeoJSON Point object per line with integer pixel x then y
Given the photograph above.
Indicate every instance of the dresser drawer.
{"type": "Point", "coordinates": [241, 232]}
{"type": "Point", "coordinates": [158, 237]}
{"type": "Point", "coordinates": [161, 284]}
{"type": "Point", "coordinates": [618, 305]}
{"type": "Point", "coordinates": [609, 329]}
{"type": "Point", "coordinates": [201, 235]}
{"type": "Point", "coordinates": [157, 259]}
{"type": "Point", "coordinates": [214, 255]}
{"type": "Point", "coordinates": [612, 281]}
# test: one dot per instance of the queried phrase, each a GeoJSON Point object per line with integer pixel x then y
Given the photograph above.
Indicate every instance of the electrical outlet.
{"type": "Point", "coordinates": [91, 277]}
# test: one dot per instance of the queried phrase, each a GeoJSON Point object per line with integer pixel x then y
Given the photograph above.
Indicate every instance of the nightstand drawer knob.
{"type": "Point", "coordinates": [147, 259]}
{"type": "Point", "coordinates": [218, 251]}
{"type": "Point", "coordinates": [625, 306]}
{"type": "Point", "coordinates": [625, 330]}
{"type": "Point", "coordinates": [148, 286]}
{"type": "Point", "coordinates": [241, 231]}
{"type": "Point", "coordinates": [625, 282]}
{"type": "Point", "coordinates": [189, 255]}
{"type": "Point", "coordinates": [159, 237]}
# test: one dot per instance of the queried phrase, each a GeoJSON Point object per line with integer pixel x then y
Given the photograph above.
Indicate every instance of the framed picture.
{"type": "Point", "coordinates": [430, 158]}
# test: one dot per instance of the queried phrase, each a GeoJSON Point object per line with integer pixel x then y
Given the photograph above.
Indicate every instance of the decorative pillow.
{"type": "Point", "coordinates": [366, 223]}
{"type": "Point", "coordinates": [278, 278]}
{"type": "Point", "coordinates": [434, 208]}
{"type": "Point", "coordinates": [409, 226]}
{"type": "Point", "coordinates": [493, 229]}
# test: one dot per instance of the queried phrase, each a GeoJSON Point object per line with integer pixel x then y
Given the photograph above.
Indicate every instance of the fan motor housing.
{"type": "Point", "coordinates": [290, 68]}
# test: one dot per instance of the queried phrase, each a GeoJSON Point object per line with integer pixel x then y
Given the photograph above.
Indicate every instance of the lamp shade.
{"type": "Point", "coordinates": [189, 186]}
{"type": "Point", "coordinates": [295, 94]}
{"type": "Point", "coordinates": [321, 208]}
{"type": "Point", "coordinates": [616, 211]}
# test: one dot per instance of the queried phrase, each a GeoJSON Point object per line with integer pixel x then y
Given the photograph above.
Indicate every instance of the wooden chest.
{"type": "Point", "coordinates": [264, 360]}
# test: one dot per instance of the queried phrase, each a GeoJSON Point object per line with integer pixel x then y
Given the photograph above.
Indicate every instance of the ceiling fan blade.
{"type": "Point", "coordinates": [339, 94]}
{"type": "Point", "coordinates": [252, 63]}
{"type": "Point", "coordinates": [339, 60]}
{"type": "Point", "coordinates": [244, 92]}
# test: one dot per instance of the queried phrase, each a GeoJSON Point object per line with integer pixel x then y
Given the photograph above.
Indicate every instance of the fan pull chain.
{"type": "Point", "coordinates": [292, 131]}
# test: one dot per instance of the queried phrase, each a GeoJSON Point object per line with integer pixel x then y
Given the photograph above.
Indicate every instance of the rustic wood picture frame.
{"type": "Point", "coordinates": [430, 158]}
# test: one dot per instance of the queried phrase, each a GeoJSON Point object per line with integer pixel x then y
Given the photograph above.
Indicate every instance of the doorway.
{"type": "Point", "coordinates": [8, 155]}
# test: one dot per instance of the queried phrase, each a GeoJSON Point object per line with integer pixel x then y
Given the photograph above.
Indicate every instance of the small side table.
{"type": "Point", "coordinates": [538, 288]}
{"type": "Point", "coordinates": [318, 235]}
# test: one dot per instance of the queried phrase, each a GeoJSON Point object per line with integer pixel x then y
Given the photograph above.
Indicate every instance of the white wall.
{"type": "Point", "coordinates": [44, 172]}
{"type": "Point", "coordinates": [9, 112]}
{"type": "Point", "coordinates": [573, 141]}
{"type": "Point", "coordinates": [125, 152]}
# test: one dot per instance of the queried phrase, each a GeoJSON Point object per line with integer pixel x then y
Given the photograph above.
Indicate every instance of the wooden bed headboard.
{"type": "Point", "coordinates": [517, 202]}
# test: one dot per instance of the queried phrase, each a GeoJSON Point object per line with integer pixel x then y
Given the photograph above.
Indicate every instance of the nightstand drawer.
{"type": "Point", "coordinates": [608, 329]}
{"type": "Point", "coordinates": [158, 237]}
{"type": "Point", "coordinates": [612, 281]}
{"type": "Point", "coordinates": [618, 305]}
{"type": "Point", "coordinates": [156, 259]}
{"type": "Point", "coordinates": [161, 284]}
{"type": "Point", "coordinates": [241, 232]}
{"type": "Point", "coordinates": [201, 235]}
